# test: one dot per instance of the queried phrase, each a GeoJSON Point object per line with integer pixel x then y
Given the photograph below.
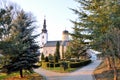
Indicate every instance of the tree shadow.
{"type": "Point", "coordinates": [107, 75]}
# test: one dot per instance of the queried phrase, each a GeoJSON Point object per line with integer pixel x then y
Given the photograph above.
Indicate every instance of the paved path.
{"type": "Point", "coordinates": [84, 73]}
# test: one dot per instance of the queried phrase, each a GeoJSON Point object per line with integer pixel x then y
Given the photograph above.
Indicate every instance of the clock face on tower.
{"type": "Point", "coordinates": [43, 39]}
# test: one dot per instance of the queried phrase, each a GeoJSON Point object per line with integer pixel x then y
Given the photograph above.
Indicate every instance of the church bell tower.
{"type": "Point", "coordinates": [44, 34]}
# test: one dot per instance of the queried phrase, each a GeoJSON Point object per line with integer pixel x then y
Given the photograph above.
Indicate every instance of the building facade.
{"type": "Point", "coordinates": [49, 47]}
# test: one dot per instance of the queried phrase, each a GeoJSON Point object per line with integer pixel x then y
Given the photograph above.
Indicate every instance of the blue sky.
{"type": "Point", "coordinates": [57, 14]}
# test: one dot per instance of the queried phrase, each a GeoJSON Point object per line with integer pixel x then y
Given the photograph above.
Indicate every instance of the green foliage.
{"type": "Point", "coordinates": [56, 58]}
{"type": "Point", "coordinates": [64, 65]}
{"type": "Point", "coordinates": [18, 41]}
{"type": "Point", "coordinates": [57, 52]}
{"type": "Point", "coordinates": [46, 59]}
{"type": "Point", "coordinates": [79, 64]}
{"type": "Point", "coordinates": [53, 64]}
{"type": "Point", "coordinates": [99, 17]}
{"type": "Point", "coordinates": [51, 57]}
{"type": "Point", "coordinates": [42, 57]}
{"type": "Point", "coordinates": [103, 19]}
{"type": "Point", "coordinates": [5, 22]}
{"type": "Point", "coordinates": [68, 52]}
{"type": "Point", "coordinates": [81, 32]}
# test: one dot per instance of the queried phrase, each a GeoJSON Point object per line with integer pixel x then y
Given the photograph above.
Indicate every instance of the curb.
{"type": "Point", "coordinates": [44, 77]}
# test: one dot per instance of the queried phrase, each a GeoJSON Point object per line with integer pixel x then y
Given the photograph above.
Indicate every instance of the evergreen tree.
{"type": "Point", "coordinates": [42, 57]}
{"type": "Point", "coordinates": [51, 57]}
{"type": "Point", "coordinates": [77, 45]}
{"type": "Point", "coordinates": [55, 58]}
{"type": "Point", "coordinates": [82, 35]}
{"type": "Point", "coordinates": [57, 52]}
{"type": "Point", "coordinates": [46, 59]}
{"type": "Point", "coordinates": [22, 48]}
{"type": "Point", "coordinates": [6, 46]}
{"type": "Point", "coordinates": [5, 22]}
{"type": "Point", "coordinates": [68, 54]}
{"type": "Point", "coordinates": [101, 17]}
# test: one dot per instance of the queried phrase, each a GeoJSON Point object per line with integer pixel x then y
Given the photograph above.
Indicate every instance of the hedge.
{"type": "Point", "coordinates": [70, 64]}
{"type": "Point", "coordinates": [53, 64]}
{"type": "Point", "coordinates": [79, 64]}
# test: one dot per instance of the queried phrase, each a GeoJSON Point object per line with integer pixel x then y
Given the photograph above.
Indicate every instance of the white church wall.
{"type": "Point", "coordinates": [49, 50]}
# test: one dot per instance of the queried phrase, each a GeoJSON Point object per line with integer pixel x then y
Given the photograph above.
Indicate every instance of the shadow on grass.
{"type": "Point", "coordinates": [15, 76]}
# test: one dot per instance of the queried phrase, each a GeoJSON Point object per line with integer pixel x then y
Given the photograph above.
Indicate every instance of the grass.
{"type": "Point", "coordinates": [61, 70]}
{"type": "Point", "coordinates": [102, 72]}
{"type": "Point", "coordinates": [58, 69]}
{"type": "Point", "coordinates": [15, 76]}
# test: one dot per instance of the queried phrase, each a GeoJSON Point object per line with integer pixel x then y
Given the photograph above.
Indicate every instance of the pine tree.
{"type": "Point", "coordinates": [5, 22]}
{"type": "Point", "coordinates": [42, 57]}
{"type": "Point", "coordinates": [82, 35]}
{"type": "Point", "coordinates": [57, 52]}
{"type": "Point", "coordinates": [23, 50]}
{"type": "Point", "coordinates": [46, 59]}
{"type": "Point", "coordinates": [6, 18]}
{"type": "Point", "coordinates": [101, 17]}
{"type": "Point", "coordinates": [51, 57]}
{"type": "Point", "coordinates": [77, 45]}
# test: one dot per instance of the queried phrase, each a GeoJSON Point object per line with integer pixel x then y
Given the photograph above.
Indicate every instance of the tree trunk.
{"type": "Point", "coordinates": [114, 68]}
{"type": "Point", "coordinates": [21, 73]}
{"type": "Point", "coordinates": [118, 60]}
{"type": "Point", "coordinates": [108, 62]}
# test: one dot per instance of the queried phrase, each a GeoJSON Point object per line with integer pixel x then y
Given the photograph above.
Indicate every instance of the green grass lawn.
{"type": "Point", "coordinates": [45, 65]}
{"type": "Point", "coordinates": [57, 69]}
{"type": "Point", "coordinates": [61, 70]}
{"type": "Point", "coordinates": [2, 76]}
{"type": "Point", "coordinates": [15, 76]}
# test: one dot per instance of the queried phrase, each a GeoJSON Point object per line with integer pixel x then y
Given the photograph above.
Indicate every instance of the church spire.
{"type": "Point", "coordinates": [44, 30]}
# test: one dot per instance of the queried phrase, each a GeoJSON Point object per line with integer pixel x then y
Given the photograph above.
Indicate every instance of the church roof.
{"type": "Point", "coordinates": [53, 43]}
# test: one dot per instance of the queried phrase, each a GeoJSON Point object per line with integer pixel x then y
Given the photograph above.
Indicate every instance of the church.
{"type": "Point", "coordinates": [49, 47]}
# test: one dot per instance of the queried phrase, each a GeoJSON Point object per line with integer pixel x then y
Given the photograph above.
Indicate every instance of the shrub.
{"type": "Point", "coordinates": [64, 65]}
{"type": "Point", "coordinates": [53, 64]}
{"type": "Point", "coordinates": [79, 64]}
{"type": "Point", "coordinates": [46, 59]}
{"type": "Point", "coordinates": [51, 57]}
{"type": "Point", "coordinates": [42, 57]}
{"type": "Point", "coordinates": [56, 59]}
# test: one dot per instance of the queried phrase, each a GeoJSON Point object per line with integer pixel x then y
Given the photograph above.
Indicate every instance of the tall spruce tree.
{"type": "Point", "coordinates": [6, 18]}
{"type": "Point", "coordinates": [42, 57]}
{"type": "Point", "coordinates": [77, 45]}
{"type": "Point", "coordinates": [22, 48]}
{"type": "Point", "coordinates": [57, 52]}
{"type": "Point", "coordinates": [102, 16]}
{"type": "Point", "coordinates": [81, 32]}
{"type": "Point", "coordinates": [26, 51]}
